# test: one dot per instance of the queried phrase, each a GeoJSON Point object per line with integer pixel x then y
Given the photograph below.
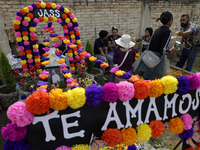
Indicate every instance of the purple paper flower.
{"type": "Point", "coordinates": [23, 97]}
{"type": "Point", "coordinates": [13, 133]}
{"type": "Point", "coordinates": [20, 145]}
{"type": "Point", "coordinates": [46, 40]}
{"type": "Point", "coordinates": [76, 24]}
{"type": "Point", "coordinates": [63, 23]}
{"type": "Point", "coordinates": [27, 47]}
{"type": "Point", "coordinates": [98, 61]}
{"type": "Point", "coordinates": [62, 8]}
{"type": "Point", "coordinates": [33, 24]}
{"type": "Point", "coordinates": [70, 28]}
{"type": "Point", "coordinates": [66, 34]}
{"type": "Point", "coordinates": [32, 90]}
{"type": "Point", "coordinates": [63, 66]}
{"type": "Point", "coordinates": [57, 34]}
{"type": "Point", "coordinates": [24, 28]}
{"type": "Point", "coordinates": [34, 6]}
{"type": "Point", "coordinates": [40, 83]}
{"type": "Point", "coordinates": [94, 95]}
{"type": "Point", "coordinates": [126, 75]}
{"type": "Point", "coordinates": [79, 51]}
{"type": "Point", "coordinates": [36, 53]}
{"type": "Point", "coordinates": [75, 86]}
{"type": "Point", "coordinates": [87, 55]}
{"type": "Point", "coordinates": [20, 43]}
{"type": "Point", "coordinates": [23, 57]}
{"type": "Point", "coordinates": [44, 72]}
{"type": "Point", "coordinates": [33, 42]}
{"type": "Point", "coordinates": [183, 85]}
{"type": "Point", "coordinates": [19, 14]}
{"type": "Point", "coordinates": [132, 147]}
{"type": "Point", "coordinates": [51, 28]}
{"type": "Point", "coordinates": [65, 71]}
{"type": "Point", "coordinates": [43, 90]}
{"type": "Point", "coordinates": [58, 54]}
{"type": "Point", "coordinates": [50, 24]}
{"type": "Point", "coordinates": [78, 37]}
{"type": "Point", "coordinates": [52, 35]}
{"type": "Point", "coordinates": [186, 134]}
{"type": "Point", "coordinates": [45, 58]}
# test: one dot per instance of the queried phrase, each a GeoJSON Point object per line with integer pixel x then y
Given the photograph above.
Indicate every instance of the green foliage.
{"type": "Point", "coordinates": [6, 72]}
{"type": "Point", "coordinates": [89, 49]}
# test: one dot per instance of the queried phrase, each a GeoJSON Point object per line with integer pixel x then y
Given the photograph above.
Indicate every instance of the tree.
{"type": "Point", "coordinates": [89, 49]}
{"type": "Point", "coordinates": [6, 72]}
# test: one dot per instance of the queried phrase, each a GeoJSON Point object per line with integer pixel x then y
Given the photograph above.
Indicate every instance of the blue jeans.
{"type": "Point", "coordinates": [113, 75]}
{"type": "Point", "coordinates": [186, 55]}
{"type": "Point", "coordinates": [111, 53]}
{"type": "Point", "coordinates": [109, 58]}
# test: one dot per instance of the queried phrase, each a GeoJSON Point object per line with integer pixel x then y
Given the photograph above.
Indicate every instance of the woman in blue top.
{"type": "Point", "coordinates": [158, 45]}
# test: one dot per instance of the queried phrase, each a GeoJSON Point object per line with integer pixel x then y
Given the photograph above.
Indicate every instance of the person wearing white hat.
{"type": "Point", "coordinates": [124, 54]}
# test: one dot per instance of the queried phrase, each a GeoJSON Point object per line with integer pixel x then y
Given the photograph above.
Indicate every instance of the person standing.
{"type": "Point", "coordinates": [188, 31]}
{"type": "Point", "coordinates": [145, 38]}
{"type": "Point", "coordinates": [158, 45]}
{"type": "Point", "coordinates": [111, 40]}
{"type": "Point", "coordinates": [101, 49]}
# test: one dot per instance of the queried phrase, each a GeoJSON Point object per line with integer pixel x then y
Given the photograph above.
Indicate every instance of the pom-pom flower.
{"type": "Point", "coordinates": [129, 136]}
{"type": "Point", "coordinates": [112, 137]}
{"type": "Point", "coordinates": [156, 88]}
{"type": "Point", "coordinates": [132, 147]}
{"type": "Point", "coordinates": [187, 120]}
{"type": "Point", "coordinates": [63, 148]}
{"type": "Point", "coordinates": [38, 103]}
{"type": "Point", "coordinates": [76, 98]}
{"type": "Point", "coordinates": [194, 81]}
{"type": "Point", "coordinates": [13, 133]}
{"type": "Point", "coordinates": [142, 89]}
{"type": "Point", "coordinates": [9, 145]}
{"type": "Point", "coordinates": [94, 95]}
{"type": "Point", "coordinates": [110, 92]}
{"type": "Point", "coordinates": [186, 134]}
{"type": "Point", "coordinates": [80, 147]}
{"type": "Point", "coordinates": [157, 128]}
{"type": "Point", "coordinates": [183, 85]}
{"type": "Point", "coordinates": [19, 114]}
{"type": "Point", "coordinates": [58, 99]}
{"type": "Point", "coordinates": [170, 83]}
{"type": "Point", "coordinates": [176, 125]}
{"type": "Point", "coordinates": [125, 91]}
{"type": "Point", "coordinates": [143, 132]}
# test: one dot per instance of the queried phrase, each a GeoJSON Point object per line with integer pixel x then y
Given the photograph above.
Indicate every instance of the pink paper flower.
{"type": "Point", "coordinates": [58, 7]}
{"type": "Point", "coordinates": [71, 58]}
{"type": "Point", "coordinates": [56, 45]}
{"type": "Point", "coordinates": [45, 27]}
{"type": "Point", "coordinates": [46, 49]}
{"type": "Point", "coordinates": [69, 80]}
{"type": "Point", "coordinates": [87, 55]}
{"type": "Point", "coordinates": [30, 60]}
{"type": "Point", "coordinates": [110, 92]}
{"type": "Point", "coordinates": [26, 43]}
{"type": "Point", "coordinates": [187, 120]}
{"type": "Point", "coordinates": [63, 148]}
{"type": "Point", "coordinates": [77, 57]}
{"type": "Point", "coordinates": [44, 72]}
{"type": "Point", "coordinates": [18, 18]}
{"type": "Point", "coordinates": [113, 70]}
{"type": "Point", "coordinates": [36, 20]}
{"type": "Point", "coordinates": [30, 8]}
{"type": "Point", "coordinates": [80, 48]}
{"type": "Point", "coordinates": [76, 28]}
{"type": "Point", "coordinates": [17, 34]}
{"type": "Point", "coordinates": [25, 23]}
{"type": "Point", "coordinates": [82, 61]}
{"type": "Point", "coordinates": [19, 114]}
{"type": "Point", "coordinates": [69, 24]}
{"type": "Point", "coordinates": [21, 48]}
{"type": "Point", "coordinates": [65, 31]}
{"type": "Point", "coordinates": [72, 16]}
{"type": "Point", "coordinates": [63, 66]}
{"type": "Point", "coordinates": [25, 70]}
{"type": "Point", "coordinates": [32, 34]}
{"type": "Point", "coordinates": [59, 20]}
{"type": "Point", "coordinates": [73, 40]}
{"type": "Point", "coordinates": [35, 50]}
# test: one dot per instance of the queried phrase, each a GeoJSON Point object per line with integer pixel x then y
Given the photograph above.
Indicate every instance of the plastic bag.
{"type": "Point", "coordinates": [14, 62]}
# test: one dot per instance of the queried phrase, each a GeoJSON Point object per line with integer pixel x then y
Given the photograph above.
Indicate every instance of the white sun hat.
{"type": "Point", "coordinates": [125, 41]}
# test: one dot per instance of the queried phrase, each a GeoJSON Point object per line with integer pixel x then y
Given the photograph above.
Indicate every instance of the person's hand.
{"type": "Point", "coordinates": [138, 40]}
{"type": "Point", "coordinates": [173, 49]}
{"type": "Point", "coordinates": [180, 33]}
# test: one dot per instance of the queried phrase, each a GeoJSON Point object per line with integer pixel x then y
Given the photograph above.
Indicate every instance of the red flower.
{"type": "Point", "coordinates": [80, 69]}
{"type": "Point", "coordinates": [37, 67]}
{"type": "Point", "coordinates": [15, 73]}
{"type": "Point", "coordinates": [22, 80]}
{"type": "Point", "coordinates": [32, 75]}
{"type": "Point", "coordinates": [32, 68]}
{"type": "Point", "coordinates": [81, 74]}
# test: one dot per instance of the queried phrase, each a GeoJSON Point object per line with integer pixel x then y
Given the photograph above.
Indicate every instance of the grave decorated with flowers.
{"type": "Point", "coordinates": [92, 117]}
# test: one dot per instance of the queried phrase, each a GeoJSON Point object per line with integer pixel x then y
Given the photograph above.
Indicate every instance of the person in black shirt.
{"type": "Point", "coordinates": [101, 49]}
{"type": "Point", "coordinates": [158, 45]}
{"type": "Point", "coordinates": [63, 48]}
{"type": "Point", "coordinates": [111, 40]}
